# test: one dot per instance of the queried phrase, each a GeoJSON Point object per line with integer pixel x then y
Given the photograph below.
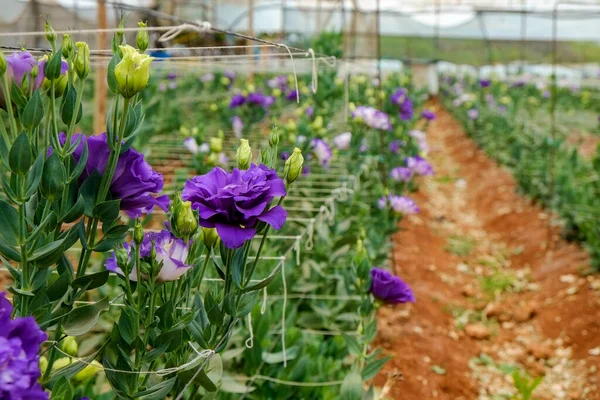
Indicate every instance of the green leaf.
{"type": "Point", "coordinates": [277, 358]}
{"type": "Point", "coordinates": [80, 164]}
{"type": "Point", "coordinates": [157, 392]}
{"type": "Point", "coordinates": [351, 387]}
{"type": "Point", "coordinates": [116, 232]}
{"type": "Point", "coordinates": [89, 191]}
{"type": "Point", "coordinates": [129, 325]}
{"type": "Point", "coordinates": [33, 112]}
{"type": "Point", "coordinates": [4, 142]}
{"type": "Point", "coordinates": [165, 315]}
{"type": "Point", "coordinates": [106, 244]}
{"type": "Point", "coordinates": [265, 282]}
{"type": "Point", "coordinates": [17, 96]}
{"type": "Point", "coordinates": [35, 176]}
{"type": "Point", "coordinates": [246, 303]}
{"type": "Point", "coordinates": [62, 390]}
{"type": "Point", "coordinates": [9, 251]}
{"type": "Point", "coordinates": [371, 369]}
{"type": "Point", "coordinates": [75, 212]}
{"type": "Point", "coordinates": [107, 210]}
{"type": "Point", "coordinates": [53, 177]}
{"type": "Point", "coordinates": [110, 74]}
{"type": "Point", "coordinates": [238, 266]}
{"type": "Point", "coordinates": [59, 287]}
{"type": "Point", "coordinates": [91, 281]}
{"type": "Point", "coordinates": [354, 346]}
{"type": "Point", "coordinates": [45, 250]}
{"type": "Point", "coordinates": [70, 370]}
{"type": "Point", "coordinates": [10, 223]}
{"type": "Point", "coordinates": [20, 158]}
{"type": "Point", "coordinates": [173, 338]}
{"type": "Point", "coordinates": [67, 106]}
{"type": "Point", "coordinates": [82, 319]}
{"type": "Point", "coordinates": [53, 66]}
{"type": "Point", "coordinates": [155, 353]}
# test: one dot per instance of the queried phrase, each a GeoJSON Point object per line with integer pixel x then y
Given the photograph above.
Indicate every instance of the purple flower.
{"type": "Point", "coordinates": [237, 125]}
{"type": "Point", "coordinates": [229, 75]}
{"type": "Point", "coordinates": [546, 94]}
{"type": "Point", "coordinates": [401, 99]}
{"type": "Point", "coordinates": [170, 251]}
{"type": "Point", "coordinates": [259, 99]}
{"type": "Point", "coordinates": [191, 145]}
{"type": "Point", "coordinates": [400, 204]}
{"type": "Point", "coordinates": [20, 342]}
{"type": "Point", "coordinates": [208, 77]}
{"type": "Point", "coordinates": [310, 111]}
{"type": "Point", "coordinates": [398, 96]}
{"type": "Point", "coordinates": [473, 114]}
{"type": "Point", "coordinates": [279, 82]}
{"type": "Point", "coordinates": [364, 146]}
{"type": "Point", "coordinates": [428, 115]}
{"type": "Point", "coordinates": [134, 182]}
{"type": "Point", "coordinates": [20, 64]}
{"type": "Point", "coordinates": [518, 84]}
{"type": "Point", "coordinates": [401, 174]}
{"type": "Point", "coordinates": [322, 151]}
{"type": "Point", "coordinates": [172, 85]}
{"type": "Point", "coordinates": [237, 100]}
{"type": "Point", "coordinates": [39, 79]}
{"type": "Point", "coordinates": [235, 202]}
{"type": "Point", "coordinates": [484, 83]}
{"type": "Point", "coordinates": [373, 118]}
{"type": "Point", "coordinates": [390, 288]}
{"type": "Point", "coordinates": [342, 141]}
{"type": "Point", "coordinates": [395, 146]}
{"type": "Point", "coordinates": [284, 155]}
{"type": "Point", "coordinates": [171, 76]}
{"type": "Point", "coordinates": [292, 95]}
{"type": "Point", "coordinates": [419, 166]}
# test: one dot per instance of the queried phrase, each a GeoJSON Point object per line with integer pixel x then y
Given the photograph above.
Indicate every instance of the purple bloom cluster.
{"type": "Point", "coordinates": [20, 342]}
{"type": "Point", "coordinates": [170, 251]}
{"type": "Point", "coordinates": [310, 111]}
{"type": "Point", "coordinates": [405, 104]}
{"type": "Point", "coordinates": [238, 126]}
{"type": "Point", "coordinates": [134, 182]}
{"type": "Point", "coordinates": [278, 82]}
{"type": "Point", "coordinates": [291, 95]}
{"type": "Point", "coordinates": [419, 166]}
{"type": "Point", "coordinates": [259, 99]}
{"type": "Point", "coordinates": [235, 202]}
{"type": "Point", "coordinates": [473, 114]}
{"type": "Point", "coordinates": [237, 100]}
{"type": "Point", "coordinates": [395, 146]}
{"type": "Point", "coordinates": [342, 141]}
{"type": "Point", "coordinates": [390, 288]}
{"type": "Point", "coordinates": [373, 118]}
{"type": "Point", "coordinates": [322, 151]}
{"type": "Point", "coordinates": [485, 83]}
{"type": "Point", "coordinates": [400, 204]}
{"type": "Point", "coordinates": [401, 174]}
{"type": "Point", "coordinates": [428, 115]}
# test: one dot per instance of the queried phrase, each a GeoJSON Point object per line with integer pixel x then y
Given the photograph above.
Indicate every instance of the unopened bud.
{"type": "Point", "coordinates": [82, 60]}
{"type": "Point", "coordinates": [142, 37]}
{"type": "Point", "coordinates": [243, 156]}
{"type": "Point", "coordinates": [153, 252]}
{"type": "Point", "coordinates": [361, 252]}
{"type": "Point", "coordinates": [146, 268]}
{"type": "Point", "coordinates": [2, 64]}
{"type": "Point", "coordinates": [138, 233]}
{"type": "Point", "coordinates": [186, 222]}
{"type": "Point", "coordinates": [273, 138]}
{"type": "Point", "coordinates": [122, 258]}
{"type": "Point", "coordinates": [216, 145]}
{"type": "Point", "coordinates": [67, 45]}
{"type": "Point", "coordinates": [293, 166]}
{"type": "Point", "coordinates": [209, 237]}
{"type": "Point", "coordinates": [88, 372]}
{"type": "Point", "coordinates": [69, 346]}
{"type": "Point", "coordinates": [61, 363]}
{"type": "Point", "coordinates": [50, 34]}
{"type": "Point", "coordinates": [120, 32]}
{"type": "Point", "coordinates": [34, 71]}
{"type": "Point", "coordinates": [43, 364]}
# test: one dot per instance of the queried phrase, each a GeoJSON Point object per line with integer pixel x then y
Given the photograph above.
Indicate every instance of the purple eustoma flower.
{"type": "Point", "coordinates": [373, 118]}
{"type": "Point", "coordinates": [484, 83]}
{"type": "Point", "coordinates": [170, 251]}
{"type": "Point", "coordinates": [401, 174]}
{"type": "Point", "coordinates": [278, 82]}
{"type": "Point", "coordinates": [342, 141]}
{"type": "Point", "coordinates": [399, 204]}
{"type": "Point", "coordinates": [171, 76]}
{"type": "Point", "coordinates": [20, 342]}
{"type": "Point", "coordinates": [395, 146]}
{"type": "Point", "coordinates": [390, 288]}
{"type": "Point", "coordinates": [473, 114]}
{"type": "Point", "coordinates": [292, 95]}
{"type": "Point", "coordinates": [134, 182]}
{"type": "Point", "coordinates": [322, 151]}
{"type": "Point", "coordinates": [230, 75]}
{"type": "Point", "coordinates": [259, 99]}
{"type": "Point", "coordinates": [428, 115]}
{"type": "Point", "coordinates": [284, 155]}
{"type": "Point", "coordinates": [419, 166]}
{"type": "Point", "coordinates": [310, 111]}
{"type": "Point", "coordinates": [236, 202]}
{"type": "Point", "coordinates": [401, 99]}
{"type": "Point", "coordinates": [237, 125]}
{"type": "Point", "coordinates": [237, 100]}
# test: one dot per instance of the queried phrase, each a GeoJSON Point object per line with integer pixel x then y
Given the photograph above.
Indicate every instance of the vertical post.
{"type": "Point", "coordinates": [251, 33]}
{"type": "Point", "coordinates": [35, 14]}
{"type": "Point", "coordinates": [99, 83]}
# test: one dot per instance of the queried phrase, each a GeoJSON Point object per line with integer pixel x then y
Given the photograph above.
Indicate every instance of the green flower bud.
{"type": "Point", "coordinates": [243, 156]}
{"type": "Point", "coordinates": [186, 223]}
{"type": "Point", "coordinates": [43, 364]}
{"type": "Point", "coordinates": [146, 268]}
{"type": "Point", "coordinates": [67, 45]}
{"type": "Point", "coordinates": [50, 34]}
{"type": "Point", "coordinates": [142, 37]}
{"type": "Point", "coordinates": [2, 64]}
{"type": "Point", "coordinates": [274, 138]}
{"type": "Point", "coordinates": [120, 32]}
{"type": "Point", "coordinates": [122, 258]}
{"type": "Point", "coordinates": [69, 346]}
{"type": "Point", "coordinates": [153, 252]}
{"type": "Point", "coordinates": [293, 166]}
{"type": "Point", "coordinates": [82, 60]}
{"type": "Point", "coordinates": [61, 363]}
{"type": "Point", "coordinates": [216, 145]}
{"type": "Point", "coordinates": [88, 372]}
{"type": "Point", "coordinates": [361, 252]}
{"type": "Point", "coordinates": [138, 233]}
{"type": "Point", "coordinates": [132, 72]}
{"type": "Point", "coordinates": [209, 237]}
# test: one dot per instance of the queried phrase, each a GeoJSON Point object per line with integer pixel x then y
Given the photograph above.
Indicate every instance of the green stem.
{"type": "Point", "coordinates": [11, 115]}
{"type": "Point", "coordinates": [52, 353]}
{"type": "Point", "coordinates": [71, 127]}
{"type": "Point", "coordinates": [25, 278]}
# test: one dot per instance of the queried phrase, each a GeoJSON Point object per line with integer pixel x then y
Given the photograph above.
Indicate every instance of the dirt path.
{"type": "Point", "coordinates": [492, 296]}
